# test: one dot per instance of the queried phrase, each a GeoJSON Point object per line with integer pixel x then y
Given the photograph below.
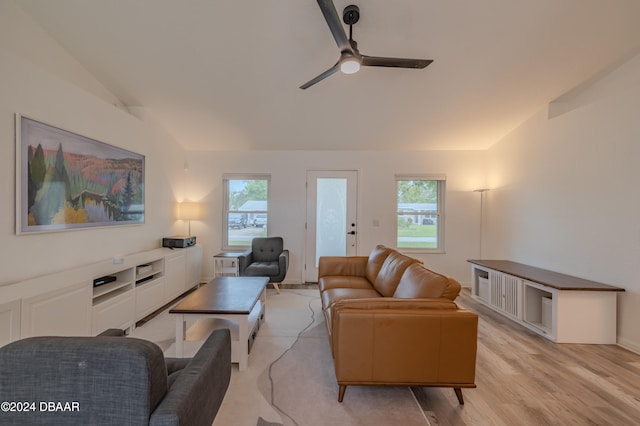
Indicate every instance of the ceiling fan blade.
{"type": "Point", "coordinates": [322, 76]}
{"type": "Point", "coordinates": [377, 61]}
{"type": "Point", "coordinates": [335, 25]}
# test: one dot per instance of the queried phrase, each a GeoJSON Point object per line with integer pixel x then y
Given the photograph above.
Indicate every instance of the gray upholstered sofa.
{"type": "Point", "coordinates": [110, 380]}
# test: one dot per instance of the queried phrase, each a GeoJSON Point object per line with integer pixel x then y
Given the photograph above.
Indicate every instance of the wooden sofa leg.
{"type": "Point", "coordinates": [341, 392]}
{"type": "Point", "coordinates": [458, 392]}
{"type": "Point", "coordinates": [275, 285]}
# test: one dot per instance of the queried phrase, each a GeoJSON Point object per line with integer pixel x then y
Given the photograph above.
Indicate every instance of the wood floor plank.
{"type": "Point", "coordinates": [525, 379]}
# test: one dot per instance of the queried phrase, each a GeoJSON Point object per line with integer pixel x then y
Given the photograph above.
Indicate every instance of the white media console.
{"type": "Point", "coordinates": [562, 308]}
{"type": "Point", "coordinates": [67, 304]}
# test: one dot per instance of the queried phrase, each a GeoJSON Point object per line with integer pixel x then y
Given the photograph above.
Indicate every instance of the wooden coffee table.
{"type": "Point", "coordinates": [237, 299]}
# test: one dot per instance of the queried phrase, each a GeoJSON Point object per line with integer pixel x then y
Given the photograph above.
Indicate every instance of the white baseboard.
{"type": "Point", "coordinates": [629, 345]}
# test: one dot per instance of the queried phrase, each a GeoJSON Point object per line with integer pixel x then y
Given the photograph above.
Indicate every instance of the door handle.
{"type": "Point", "coordinates": [351, 233]}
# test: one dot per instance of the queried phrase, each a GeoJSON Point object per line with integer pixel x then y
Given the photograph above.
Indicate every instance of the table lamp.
{"type": "Point", "coordinates": [189, 211]}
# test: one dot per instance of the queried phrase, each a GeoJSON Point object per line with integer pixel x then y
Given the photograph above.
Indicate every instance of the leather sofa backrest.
{"type": "Point", "coordinates": [391, 272]}
{"type": "Point", "coordinates": [376, 259]}
{"type": "Point", "coordinates": [418, 282]}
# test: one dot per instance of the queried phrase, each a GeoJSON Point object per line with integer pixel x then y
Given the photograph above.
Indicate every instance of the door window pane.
{"type": "Point", "coordinates": [331, 217]}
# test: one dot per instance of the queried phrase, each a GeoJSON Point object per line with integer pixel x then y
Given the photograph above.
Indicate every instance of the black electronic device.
{"type": "Point", "coordinates": [104, 280]}
{"type": "Point", "coordinates": [179, 241]}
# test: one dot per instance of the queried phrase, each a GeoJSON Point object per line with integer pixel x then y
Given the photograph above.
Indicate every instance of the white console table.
{"type": "Point", "coordinates": [67, 303]}
{"type": "Point", "coordinates": [562, 308]}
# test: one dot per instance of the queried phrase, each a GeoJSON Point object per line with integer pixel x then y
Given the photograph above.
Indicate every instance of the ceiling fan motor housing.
{"type": "Point", "coordinates": [351, 14]}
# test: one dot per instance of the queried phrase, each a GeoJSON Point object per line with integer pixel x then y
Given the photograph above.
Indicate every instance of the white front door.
{"type": "Point", "coordinates": [332, 198]}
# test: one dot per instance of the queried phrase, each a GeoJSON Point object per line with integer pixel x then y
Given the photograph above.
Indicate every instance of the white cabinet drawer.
{"type": "Point", "coordinates": [116, 312]}
{"type": "Point", "coordinates": [149, 297]}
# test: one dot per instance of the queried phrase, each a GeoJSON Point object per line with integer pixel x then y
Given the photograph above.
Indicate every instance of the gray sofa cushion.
{"type": "Point", "coordinates": [114, 380]}
{"type": "Point", "coordinates": [197, 392]}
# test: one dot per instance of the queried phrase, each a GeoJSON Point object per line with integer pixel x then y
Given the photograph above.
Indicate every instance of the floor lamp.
{"type": "Point", "coordinates": [481, 191]}
{"type": "Point", "coordinates": [189, 211]}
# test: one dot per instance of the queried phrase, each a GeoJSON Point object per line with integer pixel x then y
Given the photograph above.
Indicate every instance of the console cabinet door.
{"type": "Point", "coordinates": [194, 267]}
{"type": "Point", "coordinates": [9, 322]}
{"type": "Point", "coordinates": [63, 312]}
{"type": "Point", "coordinates": [505, 293]}
{"type": "Point", "coordinates": [175, 270]}
{"type": "Point", "coordinates": [149, 297]}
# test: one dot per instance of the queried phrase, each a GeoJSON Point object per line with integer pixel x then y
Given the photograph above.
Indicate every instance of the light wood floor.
{"type": "Point", "coordinates": [524, 379]}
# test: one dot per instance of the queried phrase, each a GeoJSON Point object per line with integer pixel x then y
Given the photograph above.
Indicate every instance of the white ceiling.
{"type": "Point", "coordinates": [224, 74]}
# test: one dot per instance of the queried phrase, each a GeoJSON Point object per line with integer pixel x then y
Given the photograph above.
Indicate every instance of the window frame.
{"type": "Point", "coordinates": [439, 212]}
{"type": "Point", "coordinates": [226, 211]}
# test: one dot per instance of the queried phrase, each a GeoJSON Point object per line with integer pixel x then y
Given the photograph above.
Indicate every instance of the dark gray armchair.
{"type": "Point", "coordinates": [109, 380]}
{"type": "Point", "coordinates": [266, 258]}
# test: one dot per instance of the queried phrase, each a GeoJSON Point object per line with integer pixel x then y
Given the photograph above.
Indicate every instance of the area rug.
{"type": "Point", "coordinates": [290, 378]}
{"type": "Point", "coordinates": [301, 386]}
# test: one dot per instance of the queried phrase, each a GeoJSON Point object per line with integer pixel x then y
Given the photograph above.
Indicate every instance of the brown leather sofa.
{"type": "Point", "coordinates": [391, 321]}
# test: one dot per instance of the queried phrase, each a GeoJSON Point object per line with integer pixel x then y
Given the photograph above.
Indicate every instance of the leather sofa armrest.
{"type": "Point", "coordinates": [342, 265]}
{"type": "Point", "coordinates": [405, 345]}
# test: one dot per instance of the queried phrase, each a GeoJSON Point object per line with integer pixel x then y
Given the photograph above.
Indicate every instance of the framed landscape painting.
{"type": "Point", "coordinates": [68, 181]}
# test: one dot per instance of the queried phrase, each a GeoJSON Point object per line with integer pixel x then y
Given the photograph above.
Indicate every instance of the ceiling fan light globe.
{"type": "Point", "coordinates": [350, 66]}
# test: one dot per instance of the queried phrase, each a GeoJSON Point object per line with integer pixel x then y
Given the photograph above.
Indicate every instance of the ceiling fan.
{"type": "Point", "coordinates": [350, 58]}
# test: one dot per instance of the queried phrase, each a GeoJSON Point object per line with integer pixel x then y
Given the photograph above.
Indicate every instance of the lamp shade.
{"type": "Point", "coordinates": [189, 211]}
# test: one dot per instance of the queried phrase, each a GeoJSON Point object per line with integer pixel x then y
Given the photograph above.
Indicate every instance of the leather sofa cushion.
{"type": "Point", "coordinates": [391, 272]}
{"type": "Point", "coordinates": [376, 259]}
{"type": "Point", "coordinates": [418, 282]}
{"type": "Point", "coordinates": [342, 265]}
{"type": "Point", "coordinates": [329, 297]}
{"type": "Point", "coordinates": [393, 303]}
{"type": "Point", "coordinates": [346, 281]}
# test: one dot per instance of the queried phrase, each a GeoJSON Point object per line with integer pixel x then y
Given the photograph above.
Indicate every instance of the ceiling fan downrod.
{"type": "Point", "coordinates": [350, 16]}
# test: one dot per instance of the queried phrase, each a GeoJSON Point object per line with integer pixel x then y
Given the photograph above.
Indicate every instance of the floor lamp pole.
{"type": "Point", "coordinates": [481, 191]}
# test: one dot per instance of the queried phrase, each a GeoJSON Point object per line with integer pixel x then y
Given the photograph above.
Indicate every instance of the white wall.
{"type": "Point", "coordinates": [38, 79]}
{"type": "Point", "coordinates": [565, 192]}
{"type": "Point", "coordinates": [376, 198]}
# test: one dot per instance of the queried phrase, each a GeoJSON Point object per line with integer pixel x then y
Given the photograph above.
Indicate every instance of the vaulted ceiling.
{"type": "Point", "coordinates": [225, 74]}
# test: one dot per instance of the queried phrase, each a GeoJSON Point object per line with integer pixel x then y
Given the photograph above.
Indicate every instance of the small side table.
{"type": "Point", "coordinates": [226, 265]}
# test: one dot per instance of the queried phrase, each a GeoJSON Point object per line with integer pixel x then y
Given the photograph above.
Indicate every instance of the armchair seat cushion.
{"type": "Point", "coordinates": [259, 269]}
